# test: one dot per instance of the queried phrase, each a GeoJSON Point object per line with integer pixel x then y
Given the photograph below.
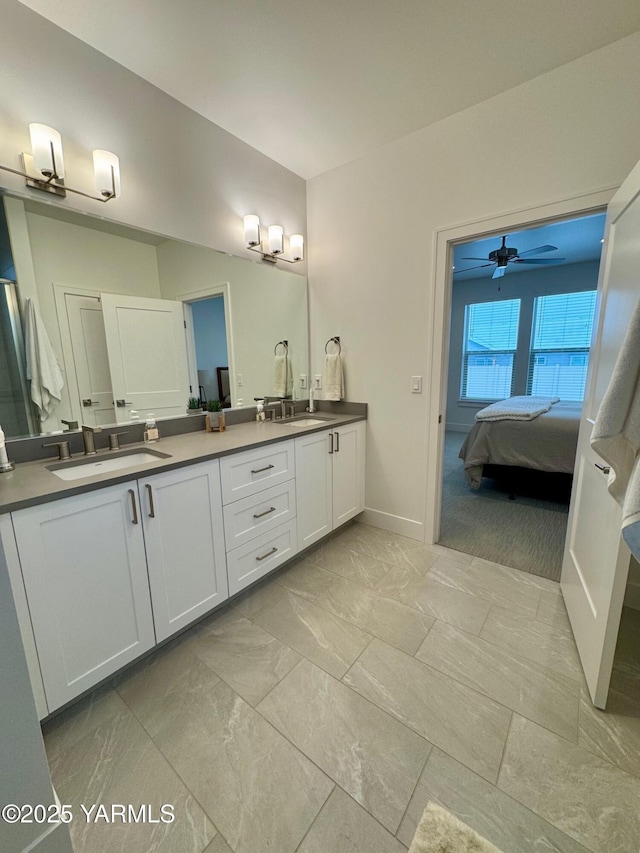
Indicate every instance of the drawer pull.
{"type": "Point", "coordinates": [337, 442]}
{"type": "Point", "coordinates": [266, 512]}
{"type": "Point", "coordinates": [152, 511]}
{"type": "Point", "coordinates": [260, 470]}
{"type": "Point", "coordinates": [134, 508]}
{"type": "Point", "coordinates": [268, 554]}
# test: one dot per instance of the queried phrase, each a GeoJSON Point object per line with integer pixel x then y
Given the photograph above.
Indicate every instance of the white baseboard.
{"type": "Point", "coordinates": [453, 427]}
{"type": "Point", "coordinates": [394, 523]}
{"type": "Point", "coordinates": [632, 596]}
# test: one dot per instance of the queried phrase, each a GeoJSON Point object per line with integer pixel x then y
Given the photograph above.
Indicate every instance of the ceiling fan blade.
{"type": "Point", "coordinates": [474, 259]}
{"type": "Point", "coordinates": [546, 261]}
{"type": "Point", "coordinates": [479, 267]}
{"type": "Point", "coordinates": [499, 272]}
{"type": "Point", "coordinates": [539, 251]}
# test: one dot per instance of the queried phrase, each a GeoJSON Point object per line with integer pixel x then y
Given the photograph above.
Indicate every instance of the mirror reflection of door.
{"type": "Point", "coordinates": [212, 359]}
{"type": "Point", "coordinates": [91, 362]}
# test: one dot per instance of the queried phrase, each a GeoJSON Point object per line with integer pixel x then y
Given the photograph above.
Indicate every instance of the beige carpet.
{"type": "Point", "coordinates": [441, 832]}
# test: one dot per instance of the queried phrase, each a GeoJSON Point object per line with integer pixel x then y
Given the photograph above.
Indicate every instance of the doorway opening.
{"type": "Point", "coordinates": [519, 326]}
{"type": "Point", "coordinates": [211, 351]}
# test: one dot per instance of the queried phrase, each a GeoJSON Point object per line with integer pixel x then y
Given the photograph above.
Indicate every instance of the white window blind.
{"type": "Point", "coordinates": [488, 349]}
{"type": "Point", "coordinates": [560, 341]}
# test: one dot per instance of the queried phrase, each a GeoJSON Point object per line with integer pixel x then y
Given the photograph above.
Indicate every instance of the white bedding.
{"type": "Point", "coordinates": [517, 409]}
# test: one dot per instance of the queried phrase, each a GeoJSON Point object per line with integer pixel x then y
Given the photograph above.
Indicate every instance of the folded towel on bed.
{"type": "Point", "coordinates": [616, 433]}
{"type": "Point", "coordinates": [517, 409]}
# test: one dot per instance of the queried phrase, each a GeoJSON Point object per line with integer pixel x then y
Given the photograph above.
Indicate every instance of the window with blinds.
{"type": "Point", "coordinates": [489, 347]}
{"type": "Point", "coordinates": [560, 341]}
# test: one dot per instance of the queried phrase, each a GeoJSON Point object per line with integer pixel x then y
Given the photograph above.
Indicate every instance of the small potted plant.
{"type": "Point", "coordinates": [194, 406]}
{"type": "Point", "coordinates": [214, 408]}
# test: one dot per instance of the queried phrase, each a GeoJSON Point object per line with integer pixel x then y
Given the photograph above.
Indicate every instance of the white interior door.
{"type": "Point", "coordinates": [596, 560]}
{"type": "Point", "coordinates": [90, 358]}
{"type": "Point", "coordinates": [147, 355]}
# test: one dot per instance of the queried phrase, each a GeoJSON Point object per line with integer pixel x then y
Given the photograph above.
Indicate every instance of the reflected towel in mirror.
{"type": "Point", "coordinates": [43, 368]}
{"type": "Point", "coordinates": [282, 376]}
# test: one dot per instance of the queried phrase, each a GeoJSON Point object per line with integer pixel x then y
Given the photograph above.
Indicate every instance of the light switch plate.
{"type": "Point", "coordinates": [240, 379]}
{"type": "Point", "coordinates": [416, 384]}
{"type": "Point", "coordinates": [317, 382]}
{"type": "Point", "coordinates": [303, 381]}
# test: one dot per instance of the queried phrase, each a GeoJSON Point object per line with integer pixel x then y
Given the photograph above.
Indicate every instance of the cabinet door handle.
{"type": "Point", "coordinates": [260, 470]}
{"type": "Point", "coordinates": [268, 554]}
{"type": "Point", "coordinates": [152, 511]}
{"type": "Point", "coordinates": [330, 442]}
{"type": "Point", "coordinates": [266, 512]}
{"type": "Point", "coordinates": [337, 442]}
{"type": "Point", "coordinates": [134, 508]}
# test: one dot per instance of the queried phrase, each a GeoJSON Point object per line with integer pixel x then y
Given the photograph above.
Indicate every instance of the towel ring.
{"type": "Point", "coordinates": [336, 341]}
{"type": "Point", "coordinates": [284, 344]}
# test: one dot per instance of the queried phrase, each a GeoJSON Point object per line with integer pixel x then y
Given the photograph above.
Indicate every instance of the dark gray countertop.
{"type": "Point", "coordinates": [31, 483]}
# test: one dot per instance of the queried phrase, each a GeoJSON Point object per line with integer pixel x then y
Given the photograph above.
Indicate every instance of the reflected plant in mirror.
{"type": "Point", "coordinates": [139, 322]}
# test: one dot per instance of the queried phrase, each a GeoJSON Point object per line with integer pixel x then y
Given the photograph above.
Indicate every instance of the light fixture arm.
{"type": "Point", "coordinates": [49, 186]}
{"type": "Point", "coordinates": [272, 259]}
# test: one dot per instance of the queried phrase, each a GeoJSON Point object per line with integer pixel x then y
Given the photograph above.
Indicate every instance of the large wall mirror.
{"type": "Point", "coordinates": [139, 322]}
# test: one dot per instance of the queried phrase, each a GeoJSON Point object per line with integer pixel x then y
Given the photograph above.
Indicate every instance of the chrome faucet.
{"type": "Point", "coordinates": [88, 433]}
{"type": "Point", "coordinates": [281, 400]}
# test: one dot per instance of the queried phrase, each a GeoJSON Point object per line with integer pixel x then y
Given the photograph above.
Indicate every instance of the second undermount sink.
{"type": "Point", "coordinates": [79, 469]}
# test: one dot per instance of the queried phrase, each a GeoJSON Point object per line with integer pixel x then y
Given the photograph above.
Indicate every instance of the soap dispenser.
{"type": "Point", "coordinates": [260, 416]}
{"type": "Point", "coordinates": [151, 432]}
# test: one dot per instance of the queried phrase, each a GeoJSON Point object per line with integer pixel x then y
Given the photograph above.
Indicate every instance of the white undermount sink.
{"type": "Point", "coordinates": [300, 422]}
{"type": "Point", "coordinates": [80, 469]}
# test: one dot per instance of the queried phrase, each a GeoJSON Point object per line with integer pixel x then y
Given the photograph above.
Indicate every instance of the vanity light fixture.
{"type": "Point", "coordinates": [274, 251]}
{"type": "Point", "coordinates": [44, 166]}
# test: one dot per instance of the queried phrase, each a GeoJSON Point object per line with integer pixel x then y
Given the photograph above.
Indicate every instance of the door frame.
{"type": "Point", "coordinates": [439, 309]}
{"type": "Point", "coordinates": [224, 290]}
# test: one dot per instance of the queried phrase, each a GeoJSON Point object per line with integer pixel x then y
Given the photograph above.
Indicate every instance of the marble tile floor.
{"type": "Point", "coordinates": [320, 711]}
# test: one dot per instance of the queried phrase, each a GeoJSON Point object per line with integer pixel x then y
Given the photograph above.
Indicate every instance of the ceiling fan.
{"type": "Point", "coordinates": [506, 255]}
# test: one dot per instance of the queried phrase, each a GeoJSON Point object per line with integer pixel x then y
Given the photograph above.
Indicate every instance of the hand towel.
{"type": "Point", "coordinates": [616, 432]}
{"type": "Point", "coordinates": [333, 377]}
{"type": "Point", "coordinates": [43, 368]}
{"type": "Point", "coordinates": [517, 409]}
{"type": "Point", "coordinates": [282, 377]}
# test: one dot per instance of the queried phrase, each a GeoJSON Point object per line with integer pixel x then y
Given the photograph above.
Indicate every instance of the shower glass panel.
{"type": "Point", "coordinates": [16, 416]}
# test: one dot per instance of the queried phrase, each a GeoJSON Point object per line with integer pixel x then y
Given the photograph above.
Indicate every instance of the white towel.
{"type": "Point", "coordinates": [43, 368]}
{"type": "Point", "coordinates": [517, 409]}
{"type": "Point", "coordinates": [282, 376]}
{"type": "Point", "coordinates": [616, 433]}
{"type": "Point", "coordinates": [333, 377]}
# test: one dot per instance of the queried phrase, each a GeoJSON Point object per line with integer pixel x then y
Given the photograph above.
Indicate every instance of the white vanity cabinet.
{"type": "Point", "coordinates": [181, 512]}
{"type": "Point", "coordinates": [85, 575]}
{"type": "Point", "coordinates": [259, 496]}
{"type": "Point", "coordinates": [329, 480]}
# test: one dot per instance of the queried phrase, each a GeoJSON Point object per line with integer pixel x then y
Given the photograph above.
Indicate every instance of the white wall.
{"type": "Point", "coordinates": [372, 227]}
{"type": "Point", "coordinates": [525, 286]}
{"type": "Point", "coordinates": [181, 175]}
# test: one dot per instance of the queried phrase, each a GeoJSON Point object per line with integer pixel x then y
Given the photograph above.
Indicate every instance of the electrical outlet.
{"type": "Point", "coordinates": [239, 401]}
{"type": "Point", "coordinates": [317, 382]}
{"type": "Point", "coordinates": [303, 381]}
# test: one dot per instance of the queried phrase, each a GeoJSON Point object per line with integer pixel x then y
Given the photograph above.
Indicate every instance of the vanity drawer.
{"type": "Point", "coordinates": [247, 473]}
{"type": "Point", "coordinates": [257, 558]}
{"type": "Point", "coordinates": [250, 517]}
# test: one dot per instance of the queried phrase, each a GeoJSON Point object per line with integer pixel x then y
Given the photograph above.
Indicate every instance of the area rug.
{"type": "Point", "coordinates": [441, 832]}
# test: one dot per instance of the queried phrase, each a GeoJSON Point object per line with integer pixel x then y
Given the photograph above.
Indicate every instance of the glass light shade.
{"type": "Point", "coordinates": [276, 239]}
{"type": "Point", "coordinates": [252, 229]}
{"type": "Point", "coordinates": [46, 147]}
{"type": "Point", "coordinates": [296, 246]}
{"type": "Point", "coordinates": [106, 169]}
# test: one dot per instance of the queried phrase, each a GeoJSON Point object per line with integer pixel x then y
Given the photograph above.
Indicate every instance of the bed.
{"type": "Point", "coordinates": [546, 443]}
